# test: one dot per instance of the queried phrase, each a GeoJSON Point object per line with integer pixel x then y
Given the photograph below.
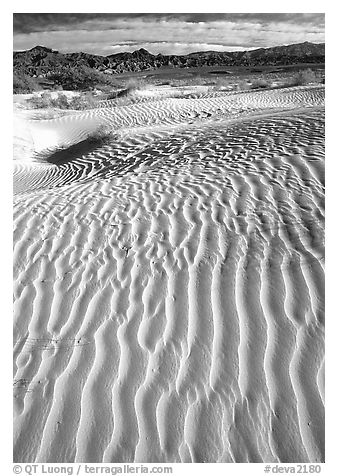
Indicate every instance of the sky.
{"type": "Point", "coordinates": [167, 33]}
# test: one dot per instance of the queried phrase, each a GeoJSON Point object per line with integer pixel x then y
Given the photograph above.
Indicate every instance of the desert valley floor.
{"type": "Point", "coordinates": [168, 280]}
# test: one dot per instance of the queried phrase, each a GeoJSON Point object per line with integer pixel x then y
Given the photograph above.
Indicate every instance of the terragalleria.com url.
{"type": "Point", "coordinates": [32, 469]}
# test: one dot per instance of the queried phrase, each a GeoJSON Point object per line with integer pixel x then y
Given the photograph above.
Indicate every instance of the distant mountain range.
{"type": "Point", "coordinates": [43, 62]}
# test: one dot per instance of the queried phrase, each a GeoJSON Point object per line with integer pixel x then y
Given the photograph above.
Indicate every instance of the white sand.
{"type": "Point", "coordinates": [169, 301]}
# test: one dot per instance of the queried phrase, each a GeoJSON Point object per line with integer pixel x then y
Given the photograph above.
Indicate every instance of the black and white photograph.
{"type": "Point", "coordinates": [168, 242]}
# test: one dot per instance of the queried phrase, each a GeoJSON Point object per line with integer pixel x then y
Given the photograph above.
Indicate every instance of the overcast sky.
{"type": "Point", "coordinates": [105, 34]}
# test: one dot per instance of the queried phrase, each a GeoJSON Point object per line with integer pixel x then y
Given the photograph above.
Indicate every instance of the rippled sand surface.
{"type": "Point", "coordinates": [169, 281]}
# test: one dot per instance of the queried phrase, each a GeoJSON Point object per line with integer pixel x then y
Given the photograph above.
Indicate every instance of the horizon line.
{"type": "Point", "coordinates": [173, 54]}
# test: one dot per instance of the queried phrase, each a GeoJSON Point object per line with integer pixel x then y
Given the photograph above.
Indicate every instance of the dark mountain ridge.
{"type": "Point", "coordinates": [44, 62]}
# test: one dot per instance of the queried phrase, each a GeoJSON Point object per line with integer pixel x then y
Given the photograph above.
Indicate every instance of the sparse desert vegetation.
{"type": "Point", "coordinates": [307, 76]}
{"type": "Point", "coordinates": [81, 78]}
{"type": "Point", "coordinates": [46, 100]}
{"type": "Point", "coordinates": [23, 83]}
{"type": "Point", "coordinates": [85, 79]}
{"type": "Point", "coordinates": [127, 90]}
{"type": "Point", "coordinates": [100, 134]}
{"type": "Point", "coordinates": [260, 84]}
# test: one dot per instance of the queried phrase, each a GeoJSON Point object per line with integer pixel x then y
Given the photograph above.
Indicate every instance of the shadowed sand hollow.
{"type": "Point", "coordinates": [169, 282]}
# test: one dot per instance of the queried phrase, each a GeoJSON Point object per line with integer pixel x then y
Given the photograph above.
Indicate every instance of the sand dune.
{"type": "Point", "coordinates": [168, 282]}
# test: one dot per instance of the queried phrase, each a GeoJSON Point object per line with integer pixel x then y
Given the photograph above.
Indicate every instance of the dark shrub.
{"type": "Point", "coordinates": [22, 83]}
{"type": "Point", "coordinates": [304, 77]}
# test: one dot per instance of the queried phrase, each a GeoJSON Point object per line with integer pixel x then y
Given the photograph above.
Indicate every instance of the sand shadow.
{"type": "Point", "coordinates": [64, 155]}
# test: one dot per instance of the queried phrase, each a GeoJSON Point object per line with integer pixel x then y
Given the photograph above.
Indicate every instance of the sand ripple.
{"type": "Point", "coordinates": [169, 301]}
